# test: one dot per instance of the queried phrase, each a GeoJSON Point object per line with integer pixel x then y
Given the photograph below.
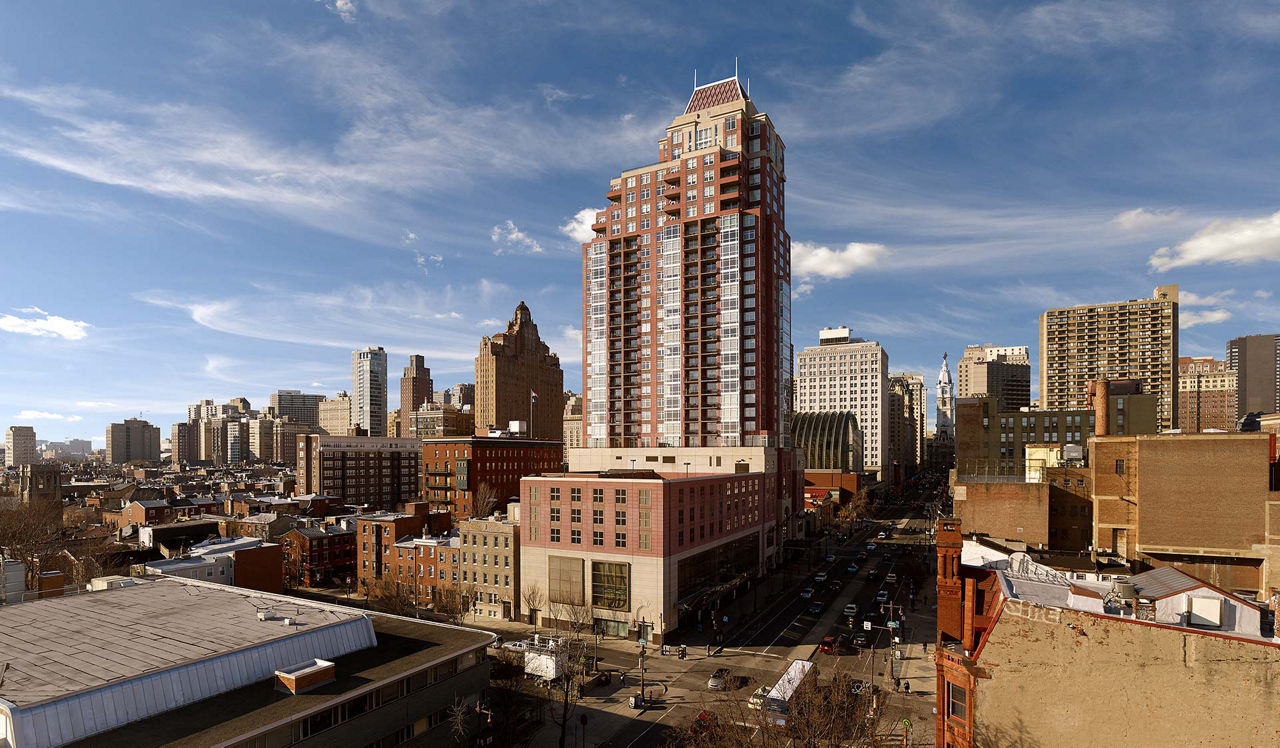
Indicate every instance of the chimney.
{"type": "Point", "coordinates": [1100, 401]}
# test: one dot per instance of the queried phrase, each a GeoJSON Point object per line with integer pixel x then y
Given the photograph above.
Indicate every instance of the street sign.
{"type": "Point", "coordinates": [893, 624]}
{"type": "Point", "coordinates": [866, 625]}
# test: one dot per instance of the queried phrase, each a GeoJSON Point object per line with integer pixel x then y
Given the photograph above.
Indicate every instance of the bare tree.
{"type": "Point", "coordinates": [534, 598]}
{"type": "Point", "coordinates": [460, 720]}
{"type": "Point", "coordinates": [516, 704]}
{"type": "Point", "coordinates": [484, 501]}
{"type": "Point", "coordinates": [854, 509]}
{"type": "Point", "coordinates": [572, 658]}
{"type": "Point", "coordinates": [454, 601]}
{"type": "Point", "coordinates": [394, 598]}
{"type": "Point", "coordinates": [30, 533]}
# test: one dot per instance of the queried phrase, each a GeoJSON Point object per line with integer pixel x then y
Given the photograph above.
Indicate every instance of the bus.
{"type": "Point", "coordinates": [779, 700]}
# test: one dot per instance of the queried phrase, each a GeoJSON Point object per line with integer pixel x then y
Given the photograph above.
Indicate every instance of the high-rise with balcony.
{"type": "Point", "coordinates": [1135, 339]}
{"type": "Point", "coordinates": [369, 390]}
{"type": "Point", "coordinates": [687, 287]}
{"type": "Point", "coordinates": [847, 374]}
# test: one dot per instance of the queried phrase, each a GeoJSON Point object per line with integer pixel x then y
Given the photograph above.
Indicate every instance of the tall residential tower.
{"type": "Point", "coordinates": [1135, 339]}
{"type": "Point", "coordinates": [416, 388]}
{"type": "Point", "coordinates": [686, 309]}
{"type": "Point", "coordinates": [369, 390]}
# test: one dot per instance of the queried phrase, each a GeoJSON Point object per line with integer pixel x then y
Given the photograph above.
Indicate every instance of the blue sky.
{"type": "Point", "coordinates": [222, 199]}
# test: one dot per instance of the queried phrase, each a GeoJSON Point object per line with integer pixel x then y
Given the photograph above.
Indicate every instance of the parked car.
{"type": "Point", "coordinates": [862, 556]}
{"type": "Point", "coordinates": [806, 593]}
{"type": "Point", "coordinates": [881, 536]}
{"type": "Point", "coordinates": [815, 608]}
{"type": "Point", "coordinates": [861, 639]}
{"type": "Point", "coordinates": [719, 680]}
{"type": "Point", "coordinates": [851, 569]}
{"type": "Point", "coordinates": [871, 546]}
{"type": "Point", "coordinates": [820, 577]}
{"type": "Point", "coordinates": [882, 596]}
{"type": "Point", "coordinates": [831, 559]}
{"type": "Point", "coordinates": [516, 646]}
{"type": "Point", "coordinates": [850, 610]}
{"type": "Point", "coordinates": [828, 645]}
{"type": "Point", "coordinates": [758, 699]}
{"type": "Point", "coordinates": [891, 578]}
{"type": "Point", "coordinates": [703, 723]}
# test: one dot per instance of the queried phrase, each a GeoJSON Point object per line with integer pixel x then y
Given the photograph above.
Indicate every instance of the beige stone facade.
{"type": "Point", "coordinates": [490, 562]}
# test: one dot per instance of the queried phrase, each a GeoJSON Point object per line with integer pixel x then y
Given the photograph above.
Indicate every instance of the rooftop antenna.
{"type": "Point", "coordinates": [695, 77]}
{"type": "Point", "coordinates": [735, 67]}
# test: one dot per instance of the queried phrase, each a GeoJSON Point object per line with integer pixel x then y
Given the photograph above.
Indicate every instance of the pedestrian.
{"type": "Point", "coordinates": [906, 688]}
{"type": "Point", "coordinates": [708, 650]}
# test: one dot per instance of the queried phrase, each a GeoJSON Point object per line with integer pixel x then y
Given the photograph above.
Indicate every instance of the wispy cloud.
{"type": "Point", "coordinates": [96, 405]}
{"type": "Point", "coordinates": [511, 240]}
{"type": "Point", "coordinates": [1190, 298]}
{"type": "Point", "coordinates": [43, 415]}
{"type": "Point", "coordinates": [1236, 241]}
{"type": "Point", "coordinates": [39, 323]}
{"type": "Point", "coordinates": [1142, 218]}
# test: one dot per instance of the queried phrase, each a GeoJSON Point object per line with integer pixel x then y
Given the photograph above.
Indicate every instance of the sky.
{"type": "Point", "coordinates": [211, 200]}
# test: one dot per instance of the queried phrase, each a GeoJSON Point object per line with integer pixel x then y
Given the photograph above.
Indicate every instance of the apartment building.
{"type": "Point", "coordinates": [844, 373]}
{"type": "Point", "coordinates": [1135, 339]}
{"type": "Point", "coordinates": [1001, 371]}
{"type": "Point", "coordinates": [20, 446]}
{"type": "Point", "coordinates": [686, 312]}
{"type": "Point", "coordinates": [376, 552]}
{"type": "Point", "coordinates": [518, 378]}
{"type": "Point", "coordinates": [379, 472]}
{"type": "Point", "coordinates": [1207, 395]}
{"type": "Point", "coordinates": [320, 555]}
{"type": "Point", "coordinates": [134, 439]}
{"type": "Point", "coordinates": [301, 407]}
{"type": "Point", "coordinates": [439, 419]}
{"type": "Point", "coordinates": [334, 414]}
{"type": "Point", "coordinates": [369, 390]}
{"type": "Point", "coordinates": [490, 563]}
{"type": "Point", "coordinates": [573, 422]}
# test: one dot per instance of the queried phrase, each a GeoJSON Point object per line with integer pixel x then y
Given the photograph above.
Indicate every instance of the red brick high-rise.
{"type": "Point", "coordinates": [416, 388]}
{"type": "Point", "coordinates": [687, 288]}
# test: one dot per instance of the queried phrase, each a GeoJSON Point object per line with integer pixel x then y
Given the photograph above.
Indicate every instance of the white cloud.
{"type": "Point", "coordinates": [801, 289]}
{"type": "Point", "coordinates": [553, 94]}
{"type": "Point", "coordinates": [96, 404]}
{"type": "Point", "coordinates": [490, 322]}
{"type": "Point", "coordinates": [810, 260]}
{"type": "Point", "coordinates": [42, 415]}
{"type": "Point", "coordinates": [408, 237]}
{"type": "Point", "coordinates": [1190, 318]}
{"type": "Point", "coordinates": [1190, 298]}
{"type": "Point", "coordinates": [511, 240]}
{"type": "Point", "coordinates": [43, 325]}
{"type": "Point", "coordinates": [1262, 293]}
{"type": "Point", "coordinates": [578, 228]}
{"type": "Point", "coordinates": [1141, 218]}
{"type": "Point", "coordinates": [317, 384]}
{"type": "Point", "coordinates": [344, 9]}
{"type": "Point", "coordinates": [1232, 240]}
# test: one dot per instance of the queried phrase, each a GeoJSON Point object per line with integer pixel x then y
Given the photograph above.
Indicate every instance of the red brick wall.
{"type": "Point", "coordinates": [1017, 511]}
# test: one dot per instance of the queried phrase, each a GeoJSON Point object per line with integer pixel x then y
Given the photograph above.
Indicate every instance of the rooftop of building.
{"type": "Point", "coordinates": [165, 623]}
{"type": "Point", "coordinates": [493, 441]}
{"type": "Point", "coordinates": [637, 474]}
{"type": "Point", "coordinates": [715, 94]}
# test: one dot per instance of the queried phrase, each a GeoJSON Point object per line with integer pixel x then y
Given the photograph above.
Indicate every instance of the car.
{"type": "Point", "coordinates": [860, 639]}
{"type": "Point", "coordinates": [850, 610]}
{"type": "Point", "coordinates": [881, 536]}
{"type": "Point", "coordinates": [703, 723]}
{"type": "Point", "coordinates": [831, 559]}
{"type": "Point", "coordinates": [516, 646]}
{"type": "Point", "coordinates": [862, 556]}
{"type": "Point", "coordinates": [759, 698]}
{"type": "Point", "coordinates": [806, 593]}
{"type": "Point", "coordinates": [871, 546]}
{"type": "Point", "coordinates": [719, 680]}
{"type": "Point", "coordinates": [820, 577]}
{"type": "Point", "coordinates": [828, 645]}
{"type": "Point", "coordinates": [882, 596]}
{"type": "Point", "coordinates": [891, 578]}
{"type": "Point", "coordinates": [815, 608]}
{"type": "Point", "coordinates": [851, 569]}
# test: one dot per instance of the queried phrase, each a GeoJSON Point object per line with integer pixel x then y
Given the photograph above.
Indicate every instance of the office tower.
{"type": "Point", "coordinates": [518, 377]}
{"type": "Point", "coordinates": [416, 388]}
{"type": "Point", "coordinates": [262, 438]}
{"type": "Point", "coordinates": [134, 439]}
{"type": "Point", "coordinates": [687, 288]}
{"type": "Point", "coordinates": [1001, 371]}
{"type": "Point", "coordinates": [1256, 360]}
{"type": "Point", "coordinates": [944, 429]}
{"type": "Point", "coordinates": [237, 441]}
{"type": "Point", "coordinates": [848, 374]}
{"type": "Point", "coordinates": [462, 395]}
{"type": "Point", "coordinates": [369, 390]}
{"type": "Point", "coordinates": [184, 443]}
{"type": "Point", "coordinates": [241, 406]}
{"type": "Point", "coordinates": [572, 421]}
{"type": "Point", "coordinates": [1135, 339]}
{"type": "Point", "coordinates": [1207, 397]}
{"type": "Point", "coordinates": [906, 421]}
{"type": "Point", "coordinates": [20, 446]}
{"type": "Point", "coordinates": [301, 407]}
{"type": "Point", "coordinates": [335, 414]}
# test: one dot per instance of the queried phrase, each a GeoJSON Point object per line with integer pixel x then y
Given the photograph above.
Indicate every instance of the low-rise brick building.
{"type": "Point", "coordinates": [459, 470]}
{"type": "Point", "coordinates": [320, 555]}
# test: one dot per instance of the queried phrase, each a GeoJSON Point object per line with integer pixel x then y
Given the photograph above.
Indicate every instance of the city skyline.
{"type": "Point", "coordinates": [336, 243]}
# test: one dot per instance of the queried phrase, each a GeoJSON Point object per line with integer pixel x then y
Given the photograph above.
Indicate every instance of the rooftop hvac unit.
{"type": "Point", "coordinates": [289, 621]}
{"type": "Point", "coordinates": [1124, 590]}
{"type": "Point", "coordinates": [266, 615]}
